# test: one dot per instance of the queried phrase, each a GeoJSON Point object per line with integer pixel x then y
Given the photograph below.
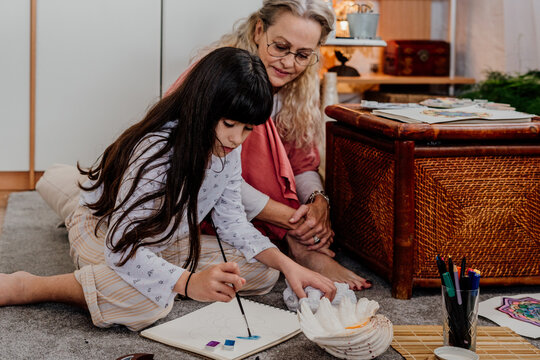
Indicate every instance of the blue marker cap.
{"type": "Point", "coordinates": [476, 281]}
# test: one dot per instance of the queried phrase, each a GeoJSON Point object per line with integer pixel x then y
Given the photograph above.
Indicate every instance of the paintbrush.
{"type": "Point", "coordinates": [237, 296]}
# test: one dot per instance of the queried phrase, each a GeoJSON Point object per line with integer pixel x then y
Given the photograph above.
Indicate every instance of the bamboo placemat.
{"type": "Point", "coordinates": [492, 342]}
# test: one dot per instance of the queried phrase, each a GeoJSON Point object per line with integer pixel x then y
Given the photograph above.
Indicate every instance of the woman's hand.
{"type": "Point", "coordinates": [212, 284]}
{"type": "Point", "coordinates": [316, 218]}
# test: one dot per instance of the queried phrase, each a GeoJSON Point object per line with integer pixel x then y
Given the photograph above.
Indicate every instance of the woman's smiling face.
{"type": "Point", "coordinates": [299, 34]}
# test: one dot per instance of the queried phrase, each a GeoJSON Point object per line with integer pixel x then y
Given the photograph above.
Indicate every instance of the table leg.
{"type": "Point", "coordinates": [403, 263]}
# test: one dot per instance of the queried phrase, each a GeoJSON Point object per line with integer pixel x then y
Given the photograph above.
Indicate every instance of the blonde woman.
{"type": "Point", "coordinates": [282, 190]}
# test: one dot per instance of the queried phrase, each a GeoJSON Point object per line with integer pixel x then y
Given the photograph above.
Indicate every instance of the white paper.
{"type": "Point", "coordinates": [489, 310]}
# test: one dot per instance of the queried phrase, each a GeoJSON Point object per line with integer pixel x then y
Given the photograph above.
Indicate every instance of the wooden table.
{"type": "Point", "coordinates": [403, 193]}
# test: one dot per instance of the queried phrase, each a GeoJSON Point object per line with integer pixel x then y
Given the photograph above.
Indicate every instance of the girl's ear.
{"type": "Point", "coordinates": [259, 32]}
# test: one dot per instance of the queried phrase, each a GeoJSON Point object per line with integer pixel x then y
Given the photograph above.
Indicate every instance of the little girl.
{"type": "Point", "coordinates": [134, 237]}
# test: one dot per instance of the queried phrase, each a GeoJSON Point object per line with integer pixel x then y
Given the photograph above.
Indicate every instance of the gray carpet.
{"type": "Point", "coordinates": [31, 241]}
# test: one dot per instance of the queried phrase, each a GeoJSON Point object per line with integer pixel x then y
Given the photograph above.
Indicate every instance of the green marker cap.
{"type": "Point", "coordinates": [448, 284]}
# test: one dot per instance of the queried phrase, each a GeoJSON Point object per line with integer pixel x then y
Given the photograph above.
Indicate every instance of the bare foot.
{"type": "Point", "coordinates": [326, 251]}
{"type": "Point", "coordinates": [12, 288]}
{"type": "Point", "coordinates": [325, 265]}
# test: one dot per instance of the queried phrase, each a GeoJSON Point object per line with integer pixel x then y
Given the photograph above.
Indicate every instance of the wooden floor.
{"type": "Point", "coordinates": [3, 204]}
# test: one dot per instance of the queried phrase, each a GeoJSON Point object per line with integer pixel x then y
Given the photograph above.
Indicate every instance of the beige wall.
{"type": "Point", "coordinates": [502, 35]}
{"type": "Point", "coordinates": [479, 37]}
{"type": "Point", "coordinates": [97, 72]}
{"type": "Point", "coordinates": [522, 35]}
{"type": "Point", "coordinates": [189, 26]}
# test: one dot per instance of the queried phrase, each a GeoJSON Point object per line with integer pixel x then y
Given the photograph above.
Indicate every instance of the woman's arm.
{"type": "Point", "coordinates": [305, 222]}
{"type": "Point", "coordinates": [315, 215]}
{"type": "Point", "coordinates": [313, 219]}
{"type": "Point", "coordinates": [261, 207]}
{"type": "Point", "coordinates": [306, 184]}
{"type": "Point", "coordinates": [253, 200]}
{"type": "Point", "coordinates": [278, 214]}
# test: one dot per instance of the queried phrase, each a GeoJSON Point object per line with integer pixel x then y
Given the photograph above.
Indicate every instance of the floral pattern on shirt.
{"type": "Point", "coordinates": [147, 271]}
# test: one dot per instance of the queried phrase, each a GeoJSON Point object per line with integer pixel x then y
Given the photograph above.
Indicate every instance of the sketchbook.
{"type": "Point", "coordinates": [474, 114]}
{"type": "Point", "coordinates": [221, 321]}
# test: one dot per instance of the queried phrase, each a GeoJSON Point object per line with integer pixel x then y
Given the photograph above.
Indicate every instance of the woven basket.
{"type": "Point", "coordinates": [483, 207]}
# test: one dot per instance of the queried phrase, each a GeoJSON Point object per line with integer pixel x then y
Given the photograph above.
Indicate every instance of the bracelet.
{"type": "Point", "coordinates": [187, 282]}
{"type": "Point", "coordinates": [311, 198]}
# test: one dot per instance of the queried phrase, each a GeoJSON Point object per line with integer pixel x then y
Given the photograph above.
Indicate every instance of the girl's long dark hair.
{"type": "Point", "coordinates": [227, 83]}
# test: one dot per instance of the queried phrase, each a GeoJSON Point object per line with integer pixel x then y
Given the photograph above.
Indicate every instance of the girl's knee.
{"type": "Point", "coordinates": [149, 318]}
{"type": "Point", "coordinates": [111, 301]}
{"type": "Point", "coordinates": [260, 283]}
{"type": "Point", "coordinates": [138, 322]}
{"type": "Point", "coordinates": [273, 276]}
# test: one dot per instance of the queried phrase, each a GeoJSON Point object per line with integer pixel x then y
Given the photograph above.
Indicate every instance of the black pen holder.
{"type": "Point", "coordinates": [460, 317]}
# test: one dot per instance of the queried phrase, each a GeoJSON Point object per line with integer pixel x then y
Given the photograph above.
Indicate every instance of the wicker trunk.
{"type": "Point", "coordinates": [403, 193]}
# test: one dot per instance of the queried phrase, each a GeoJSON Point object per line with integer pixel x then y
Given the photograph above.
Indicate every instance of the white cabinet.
{"type": "Point", "coordinates": [100, 65]}
{"type": "Point", "coordinates": [98, 69]}
{"type": "Point", "coordinates": [189, 26]}
{"type": "Point", "coordinates": [14, 85]}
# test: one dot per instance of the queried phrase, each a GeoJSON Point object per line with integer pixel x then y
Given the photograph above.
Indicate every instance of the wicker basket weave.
{"type": "Point", "coordinates": [486, 208]}
{"type": "Point", "coordinates": [478, 200]}
{"type": "Point", "coordinates": [363, 208]}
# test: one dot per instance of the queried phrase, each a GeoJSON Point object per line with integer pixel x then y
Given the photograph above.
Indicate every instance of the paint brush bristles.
{"type": "Point", "coordinates": [237, 296]}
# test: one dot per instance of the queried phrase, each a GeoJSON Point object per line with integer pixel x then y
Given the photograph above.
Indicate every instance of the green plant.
{"type": "Point", "coordinates": [522, 91]}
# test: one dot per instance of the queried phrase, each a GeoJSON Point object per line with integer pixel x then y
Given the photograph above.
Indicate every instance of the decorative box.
{"type": "Point", "coordinates": [417, 57]}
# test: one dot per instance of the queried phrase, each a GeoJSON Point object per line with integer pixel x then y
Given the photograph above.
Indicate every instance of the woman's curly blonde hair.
{"type": "Point", "coordinates": [299, 120]}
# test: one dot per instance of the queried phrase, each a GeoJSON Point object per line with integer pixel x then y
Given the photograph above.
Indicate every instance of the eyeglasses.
{"type": "Point", "coordinates": [302, 58]}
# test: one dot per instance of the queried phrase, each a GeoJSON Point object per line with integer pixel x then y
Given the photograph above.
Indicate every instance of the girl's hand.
{"type": "Point", "coordinates": [317, 223]}
{"type": "Point", "coordinates": [213, 284]}
{"type": "Point", "coordinates": [300, 277]}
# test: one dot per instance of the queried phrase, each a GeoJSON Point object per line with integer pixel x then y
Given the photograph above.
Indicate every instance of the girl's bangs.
{"type": "Point", "coordinates": [253, 109]}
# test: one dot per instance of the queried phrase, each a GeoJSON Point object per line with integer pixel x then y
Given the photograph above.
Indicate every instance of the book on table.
{"type": "Point", "coordinates": [219, 321]}
{"type": "Point", "coordinates": [474, 114]}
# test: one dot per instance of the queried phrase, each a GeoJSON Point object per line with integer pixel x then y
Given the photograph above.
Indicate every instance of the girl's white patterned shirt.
{"type": "Point", "coordinates": [147, 271]}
